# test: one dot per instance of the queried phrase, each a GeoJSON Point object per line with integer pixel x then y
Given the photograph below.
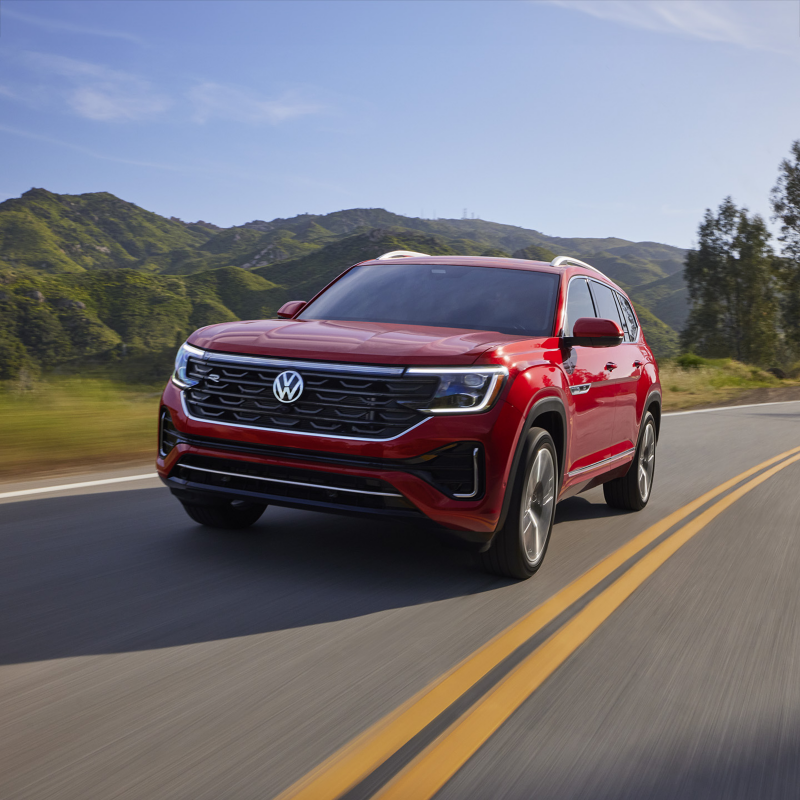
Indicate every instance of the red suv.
{"type": "Point", "coordinates": [473, 393]}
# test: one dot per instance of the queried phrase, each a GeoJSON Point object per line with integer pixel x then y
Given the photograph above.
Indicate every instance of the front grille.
{"type": "Point", "coordinates": [304, 486]}
{"type": "Point", "coordinates": [333, 403]}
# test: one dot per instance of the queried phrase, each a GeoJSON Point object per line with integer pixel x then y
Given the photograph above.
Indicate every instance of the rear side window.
{"type": "Point", "coordinates": [579, 303]}
{"type": "Point", "coordinates": [629, 319]}
{"type": "Point", "coordinates": [606, 306]}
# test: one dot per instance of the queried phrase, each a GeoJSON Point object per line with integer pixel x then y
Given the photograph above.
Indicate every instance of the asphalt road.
{"type": "Point", "coordinates": [142, 656]}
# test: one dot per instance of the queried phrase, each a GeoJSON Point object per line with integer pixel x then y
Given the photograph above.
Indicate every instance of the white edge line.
{"type": "Point", "coordinates": [106, 481]}
{"type": "Point", "coordinates": [84, 485]}
{"type": "Point", "coordinates": [727, 408]}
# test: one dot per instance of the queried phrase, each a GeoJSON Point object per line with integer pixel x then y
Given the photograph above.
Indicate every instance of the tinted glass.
{"type": "Point", "coordinates": [630, 318]}
{"type": "Point", "coordinates": [513, 301]}
{"type": "Point", "coordinates": [605, 303]}
{"type": "Point", "coordinates": [579, 304]}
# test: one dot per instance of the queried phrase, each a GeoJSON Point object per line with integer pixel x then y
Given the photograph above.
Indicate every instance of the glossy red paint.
{"type": "Point", "coordinates": [291, 309]}
{"type": "Point", "coordinates": [356, 342]}
{"type": "Point", "coordinates": [599, 424]}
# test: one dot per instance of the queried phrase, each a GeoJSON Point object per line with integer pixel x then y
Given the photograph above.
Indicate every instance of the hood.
{"type": "Point", "coordinates": [364, 342]}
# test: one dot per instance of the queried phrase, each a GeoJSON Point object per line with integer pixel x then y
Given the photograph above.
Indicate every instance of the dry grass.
{"type": "Point", "coordinates": [712, 381]}
{"type": "Point", "coordinates": [61, 424]}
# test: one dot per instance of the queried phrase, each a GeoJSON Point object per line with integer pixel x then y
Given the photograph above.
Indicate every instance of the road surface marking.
{"type": "Point", "coordinates": [367, 751]}
{"type": "Point", "coordinates": [430, 770]}
{"type": "Point", "coordinates": [727, 408]}
{"type": "Point", "coordinates": [83, 485]}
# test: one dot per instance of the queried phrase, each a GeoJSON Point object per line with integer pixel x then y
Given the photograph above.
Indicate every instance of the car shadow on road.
{"type": "Point", "coordinates": [129, 571]}
{"type": "Point", "coordinates": [580, 508]}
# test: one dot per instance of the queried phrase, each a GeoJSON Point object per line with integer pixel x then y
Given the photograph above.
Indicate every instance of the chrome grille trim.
{"type": "Point", "coordinates": [476, 477]}
{"type": "Point", "coordinates": [320, 434]}
{"type": "Point", "coordinates": [332, 403]}
{"type": "Point", "coordinates": [280, 363]}
{"type": "Point", "coordinates": [290, 483]}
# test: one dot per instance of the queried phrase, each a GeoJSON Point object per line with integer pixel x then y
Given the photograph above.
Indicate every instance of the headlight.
{"type": "Point", "coordinates": [466, 390]}
{"type": "Point", "coordinates": [179, 376]}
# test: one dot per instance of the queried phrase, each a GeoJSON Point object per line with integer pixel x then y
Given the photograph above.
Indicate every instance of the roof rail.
{"type": "Point", "coordinates": [400, 254]}
{"type": "Point", "coordinates": [559, 260]}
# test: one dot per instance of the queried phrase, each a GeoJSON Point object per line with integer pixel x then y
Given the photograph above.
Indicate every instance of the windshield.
{"type": "Point", "coordinates": [512, 301]}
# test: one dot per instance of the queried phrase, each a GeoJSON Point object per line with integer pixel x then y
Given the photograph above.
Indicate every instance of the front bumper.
{"type": "Point", "coordinates": [398, 478]}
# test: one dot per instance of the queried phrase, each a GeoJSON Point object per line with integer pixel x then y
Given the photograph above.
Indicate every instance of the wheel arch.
{"type": "Point", "coordinates": [550, 414]}
{"type": "Point", "coordinates": [653, 405]}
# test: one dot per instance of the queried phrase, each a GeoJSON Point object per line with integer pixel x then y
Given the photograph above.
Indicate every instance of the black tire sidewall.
{"type": "Point", "coordinates": [511, 533]}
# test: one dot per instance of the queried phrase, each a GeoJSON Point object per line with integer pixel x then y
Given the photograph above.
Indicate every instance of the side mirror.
{"type": "Point", "coordinates": [291, 309]}
{"type": "Point", "coordinates": [593, 332]}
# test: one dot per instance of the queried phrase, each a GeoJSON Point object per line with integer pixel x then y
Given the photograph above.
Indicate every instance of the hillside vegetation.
{"type": "Point", "coordinates": [89, 280]}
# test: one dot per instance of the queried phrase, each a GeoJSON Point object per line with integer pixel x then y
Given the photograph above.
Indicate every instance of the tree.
{"type": "Point", "coordinates": [731, 281]}
{"type": "Point", "coordinates": [786, 206]}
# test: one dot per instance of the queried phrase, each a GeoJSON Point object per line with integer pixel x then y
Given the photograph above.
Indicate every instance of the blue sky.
{"type": "Point", "coordinates": [576, 118]}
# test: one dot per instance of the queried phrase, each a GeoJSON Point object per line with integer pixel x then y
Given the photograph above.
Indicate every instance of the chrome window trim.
{"type": "Point", "coordinates": [564, 321]}
{"type": "Point", "coordinates": [620, 296]}
{"type": "Point", "coordinates": [602, 463]}
{"type": "Point", "coordinates": [475, 477]}
{"type": "Point", "coordinates": [297, 433]}
{"type": "Point", "coordinates": [291, 483]}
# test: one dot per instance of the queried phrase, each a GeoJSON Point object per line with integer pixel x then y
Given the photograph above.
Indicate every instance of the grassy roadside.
{"type": "Point", "coordinates": [68, 423]}
{"type": "Point", "coordinates": [75, 423]}
{"type": "Point", "coordinates": [690, 381]}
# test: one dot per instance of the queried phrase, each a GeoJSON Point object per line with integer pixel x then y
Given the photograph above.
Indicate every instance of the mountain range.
{"type": "Point", "coordinates": [91, 279]}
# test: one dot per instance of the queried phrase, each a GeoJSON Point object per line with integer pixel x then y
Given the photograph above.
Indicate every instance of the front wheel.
{"type": "Point", "coordinates": [632, 490]}
{"type": "Point", "coordinates": [518, 548]}
{"type": "Point", "coordinates": [228, 515]}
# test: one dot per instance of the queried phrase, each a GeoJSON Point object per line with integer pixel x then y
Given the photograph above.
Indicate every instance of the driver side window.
{"type": "Point", "coordinates": [579, 304]}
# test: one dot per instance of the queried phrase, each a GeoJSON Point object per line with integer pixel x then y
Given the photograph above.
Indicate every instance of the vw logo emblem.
{"type": "Point", "coordinates": [288, 386]}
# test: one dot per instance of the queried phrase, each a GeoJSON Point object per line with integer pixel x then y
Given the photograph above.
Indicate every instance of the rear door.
{"type": "Point", "coordinates": [624, 374]}
{"type": "Point", "coordinates": [631, 363]}
{"type": "Point", "coordinates": [592, 395]}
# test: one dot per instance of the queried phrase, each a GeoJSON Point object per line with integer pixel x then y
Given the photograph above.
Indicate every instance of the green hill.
{"type": "Point", "coordinates": [53, 233]}
{"type": "Point", "coordinates": [667, 298]}
{"type": "Point", "coordinates": [92, 279]}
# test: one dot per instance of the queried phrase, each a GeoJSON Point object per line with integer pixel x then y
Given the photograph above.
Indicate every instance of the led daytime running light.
{"type": "Point", "coordinates": [179, 376]}
{"type": "Point", "coordinates": [463, 390]}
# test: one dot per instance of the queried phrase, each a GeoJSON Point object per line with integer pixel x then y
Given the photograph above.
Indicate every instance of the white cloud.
{"type": "Point", "coordinates": [86, 151]}
{"type": "Point", "coordinates": [100, 93]}
{"type": "Point", "coordinates": [756, 24]}
{"type": "Point", "coordinates": [215, 100]}
{"type": "Point", "coordinates": [69, 27]}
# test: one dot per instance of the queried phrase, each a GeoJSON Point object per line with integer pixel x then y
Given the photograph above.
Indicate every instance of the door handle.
{"type": "Point", "coordinates": [611, 366]}
{"type": "Point", "coordinates": [638, 363]}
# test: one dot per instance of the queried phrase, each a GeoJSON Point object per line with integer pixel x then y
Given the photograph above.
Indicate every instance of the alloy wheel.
{"type": "Point", "coordinates": [647, 461]}
{"type": "Point", "coordinates": [538, 505]}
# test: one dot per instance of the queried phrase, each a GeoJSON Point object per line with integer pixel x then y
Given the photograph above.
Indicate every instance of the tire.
{"type": "Point", "coordinates": [228, 515]}
{"type": "Point", "coordinates": [632, 491]}
{"type": "Point", "coordinates": [518, 548]}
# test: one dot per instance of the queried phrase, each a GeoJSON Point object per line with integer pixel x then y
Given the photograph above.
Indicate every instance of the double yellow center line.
{"type": "Point", "coordinates": [432, 768]}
